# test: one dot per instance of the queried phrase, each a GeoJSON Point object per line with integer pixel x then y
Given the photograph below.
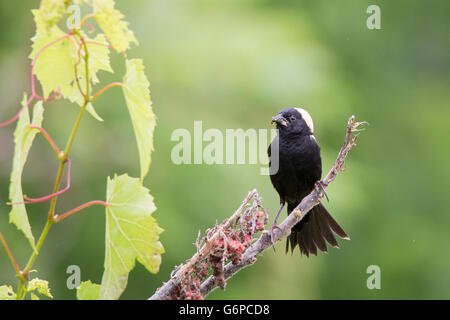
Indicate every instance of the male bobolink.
{"type": "Point", "coordinates": [300, 168]}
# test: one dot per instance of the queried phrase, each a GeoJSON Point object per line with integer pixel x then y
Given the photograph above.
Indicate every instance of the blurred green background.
{"type": "Point", "coordinates": [234, 64]}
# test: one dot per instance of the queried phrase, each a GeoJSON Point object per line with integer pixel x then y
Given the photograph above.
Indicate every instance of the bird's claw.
{"type": "Point", "coordinates": [271, 232]}
{"type": "Point", "coordinates": [321, 185]}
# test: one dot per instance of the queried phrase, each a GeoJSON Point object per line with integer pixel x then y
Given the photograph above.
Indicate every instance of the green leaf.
{"type": "Point", "coordinates": [7, 293]}
{"type": "Point", "coordinates": [88, 291]}
{"type": "Point", "coordinates": [80, 2]}
{"type": "Point", "coordinates": [110, 20]}
{"type": "Point", "coordinates": [131, 233]}
{"type": "Point", "coordinates": [23, 140]}
{"type": "Point", "coordinates": [91, 110]}
{"type": "Point", "coordinates": [50, 13]}
{"type": "Point", "coordinates": [40, 285]}
{"type": "Point", "coordinates": [137, 95]}
{"type": "Point", "coordinates": [54, 65]}
{"type": "Point", "coordinates": [34, 297]}
{"type": "Point", "coordinates": [98, 59]}
{"type": "Point", "coordinates": [74, 95]}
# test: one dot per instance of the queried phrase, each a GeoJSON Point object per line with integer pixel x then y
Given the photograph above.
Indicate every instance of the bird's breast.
{"type": "Point", "coordinates": [299, 167]}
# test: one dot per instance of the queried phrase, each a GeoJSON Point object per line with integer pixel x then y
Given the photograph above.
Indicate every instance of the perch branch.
{"type": "Point", "coordinates": [264, 241]}
{"type": "Point", "coordinates": [165, 291]}
{"type": "Point", "coordinates": [299, 212]}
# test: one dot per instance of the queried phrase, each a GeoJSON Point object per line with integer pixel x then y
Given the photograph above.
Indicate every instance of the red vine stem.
{"type": "Point", "coordinates": [83, 21]}
{"type": "Point", "coordinates": [75, 66]}
{"type": "Point", "coordinates": [48, 138]}
{"type": "Point", "coordinates": [29, 200]}
{"type": "Point", "coordinates": [75, 43]}
{"type": "Point", "coordinates": [55, 95]}
{"type": "Point", "coordinates": [109, 86]}
{"type": "Point", "coordinates": [33, 84]}
{"type": "Point", "coordinates": [13, 119]}
{"type": "Point", "coordinates": [53, 195]}
{"type": "Point", "coordinates": [90, 26]}
{"type": "Point", "coordinates": [11, 257]}
{"type": "Point", "coordinates": [100, 44]}
{"type": "Point", "coordinates": [123, 53]}
{"type": "Point", "coordinates": [34, 95]}
{"type": "Point", "coordinates": [58, 218]}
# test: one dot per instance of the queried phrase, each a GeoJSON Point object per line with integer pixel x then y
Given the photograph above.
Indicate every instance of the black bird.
{"type": "Point", "coordinates": [299, 170]}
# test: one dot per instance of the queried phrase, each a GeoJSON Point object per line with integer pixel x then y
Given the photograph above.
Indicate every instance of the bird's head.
{"type": "Point", "coordinates": [294, 120]}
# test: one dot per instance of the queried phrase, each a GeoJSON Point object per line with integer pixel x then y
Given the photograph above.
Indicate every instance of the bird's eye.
{"type": "Point", "coordinates": [292, 118]}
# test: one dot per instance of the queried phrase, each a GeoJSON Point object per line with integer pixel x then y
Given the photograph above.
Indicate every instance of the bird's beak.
{"type": "Point", "coordinates": [279, 119]}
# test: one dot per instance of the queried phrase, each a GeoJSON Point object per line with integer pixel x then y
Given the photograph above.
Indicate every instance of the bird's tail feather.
{"type": "Point", "coordinates": [314, 231]}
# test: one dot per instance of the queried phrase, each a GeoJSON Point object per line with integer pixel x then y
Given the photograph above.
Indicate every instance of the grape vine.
{"type": "Point", "coordinates": [66, 65]}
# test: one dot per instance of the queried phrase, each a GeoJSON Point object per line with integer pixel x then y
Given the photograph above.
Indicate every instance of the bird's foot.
{"type": "Point", "coordinates": [272, 233]}
{"type": "Point", "coordinates": [321, 186]}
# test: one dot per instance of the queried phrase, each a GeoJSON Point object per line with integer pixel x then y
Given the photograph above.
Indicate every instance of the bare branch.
{"type": "Point", "coordinates": [264, 241]}
{"type": "Point", "coordinates": [299, 212]}
{"type": "Point", "coordinates": [165, 291]}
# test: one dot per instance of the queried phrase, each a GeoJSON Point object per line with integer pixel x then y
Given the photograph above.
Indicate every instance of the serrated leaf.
{"type": "Point", "coordinates": [110, 20]}
{"type": "Point", "coordinates": [74, 95]}
{"type": "Point", "coordinates": [23, 140]}
{"type": "Point", "coordinates": [88, 291]}
{"type": "Point", "coordinates": [54, 65]}
{"type": "Point", "coordinates": [50, 12]}
{"type": "Point", "coordinates": [80, 2]}
{"type": "Point", "coordinates": [98, 59]}
{"type": "Point", "coordinates": [40, 285]}
{"type": "Point", "coordinates": [7, 293]}
{"type": "Point", "coordinates": [137, 95]}
{"type": "Point", "coordinates": [91, 110]}
{"type": "Point", "coordinates": [98, 56]}
{"type": "Point", "coordinates": [131, 233]}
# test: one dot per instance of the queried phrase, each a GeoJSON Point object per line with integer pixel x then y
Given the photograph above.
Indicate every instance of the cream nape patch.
{"type": "Point", "coordinates": [307, 117]}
